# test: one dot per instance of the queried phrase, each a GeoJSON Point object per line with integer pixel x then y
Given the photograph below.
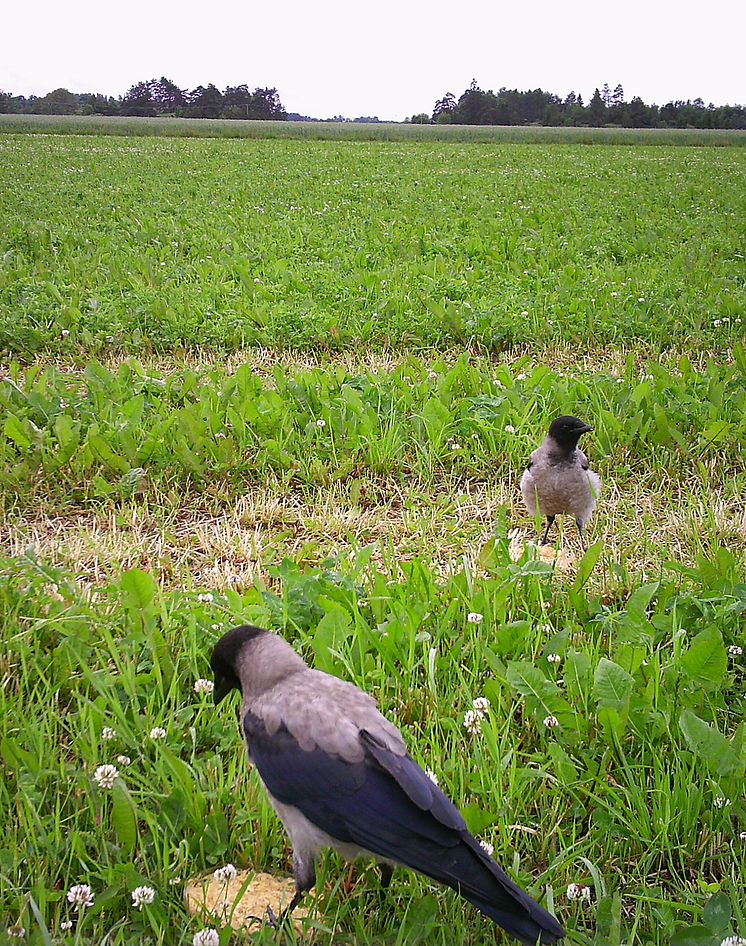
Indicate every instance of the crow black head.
{"type": "Point", "coordinates": [567, 430]}
{"type": "Point", "coordinates": [224, 657]}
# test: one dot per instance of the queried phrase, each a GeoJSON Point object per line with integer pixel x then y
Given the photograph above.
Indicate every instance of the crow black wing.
{"type": "Point", "coordinates": [387, 805]}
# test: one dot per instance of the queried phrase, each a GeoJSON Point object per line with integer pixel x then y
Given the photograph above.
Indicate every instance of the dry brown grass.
{"type": "Point", "coordinates": [219, 542]}
{"type": "Point", "coordinates": [565, 356]}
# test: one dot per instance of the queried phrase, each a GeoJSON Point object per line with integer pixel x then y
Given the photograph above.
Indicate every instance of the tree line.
{"type": "Point", "coordinates": [153, 98]}
{"type": "Point", "coordinates": [606, 107]}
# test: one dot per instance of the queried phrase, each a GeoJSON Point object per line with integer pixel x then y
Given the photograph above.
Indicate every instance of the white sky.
{"type": "Point", "coordinates": [390, 58]}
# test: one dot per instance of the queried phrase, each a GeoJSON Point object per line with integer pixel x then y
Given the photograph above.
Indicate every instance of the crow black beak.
{"type": "Point", "coordinates": [223, 687]}
{"type": "Point", "coordinates": [587, 429]}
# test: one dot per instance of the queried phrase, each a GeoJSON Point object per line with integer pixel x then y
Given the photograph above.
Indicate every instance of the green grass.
{"type": "Point", "coordinates": [362, 131]}
{"type": "Point", "coordinates": [646, 696]}
{"type": "Point", "coordinates": [424, 310]}
{"type": "Point", "coordinates": [130, 244]}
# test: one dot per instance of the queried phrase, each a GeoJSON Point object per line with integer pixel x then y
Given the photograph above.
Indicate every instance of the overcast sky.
{"type": "Point", "coordinates": [390, 58]}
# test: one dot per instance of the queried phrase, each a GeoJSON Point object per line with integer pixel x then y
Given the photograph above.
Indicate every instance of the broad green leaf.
{"type": "Point", "coordinates": [612, 685]}
{"type": "Point", "coordinates": [706, 660]}
{"type": "Point", "coordinates": [710, 745]}
{"type": "Point", "coordinates": [15, 431]}
{"type": "Point", "coordinates": [718, 913]}
{"type": "Point", "coordinates": [477, 818]}
{"type": "Point", "coordinates": [123, 816]}
{"type": "Point", "coordinates": [107, 455]}
{"type": "Point", "coordinates": [694, 936]}
{"type": "Point", "coordinates": [587, 563]}
{"type": "Point", "coordinates": [140, 588]}
{"type": "Point", "coordinates": [436, 417]}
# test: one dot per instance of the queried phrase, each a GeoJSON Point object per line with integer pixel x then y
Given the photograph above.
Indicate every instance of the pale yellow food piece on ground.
{"type": "Point", "coordinates": [227, 905]}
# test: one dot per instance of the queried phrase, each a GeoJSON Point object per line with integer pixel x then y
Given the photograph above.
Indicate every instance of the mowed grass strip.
{"type": "Point", "coordinates": [112, 244]}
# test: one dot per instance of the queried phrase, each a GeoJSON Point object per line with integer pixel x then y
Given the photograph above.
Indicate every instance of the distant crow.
{"type": "Point", "coordinates": [339, 775]}
{"type": "Point", "coordinates": [558, 478]}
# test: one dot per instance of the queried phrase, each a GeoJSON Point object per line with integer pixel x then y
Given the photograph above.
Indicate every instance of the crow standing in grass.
{"type": "Point", "coordinates": [339, 775]}
{"type": "Point", "coordinates": [558, 478]}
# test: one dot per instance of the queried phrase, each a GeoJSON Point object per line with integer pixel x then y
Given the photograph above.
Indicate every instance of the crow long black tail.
{"type": "Point", "coordinates": [472, 873]}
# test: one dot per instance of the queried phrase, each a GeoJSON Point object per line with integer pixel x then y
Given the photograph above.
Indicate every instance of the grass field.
{"type": "Point", "coordinates": [295, 383]}
{"type": "Point", "coordinates": [363, 131]}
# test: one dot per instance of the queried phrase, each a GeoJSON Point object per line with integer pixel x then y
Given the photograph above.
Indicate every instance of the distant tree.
{"type": "Point", "coordinates": [237, 101]}
{"type": "Point", "coordinates": [444, 108]}
{"type": "Point", "coordinates": [266, 105]}
{"type": "Point", "coordinates": [617, 97]}
{"type": "Point", "coordinates": [95, 104]}
{"type": "Point", "coordinates": [638, 114]}
{"type": "Point", "coordinates": [168, 98]}
{"type": "Point", "coordinates": [606, 94]}
{"type": "Point", "coordinates": [138, 101]}
{"type": "Point", "coordinates": [8, 102]}
{"type": "Point", "coordinates": [205, 102]}
{"type": "Point", "coordinates": [422, 119]}
{"type": "Point", "coordinates": [597, 109]}
{"type": "Point", "coordinates": [59, 102]}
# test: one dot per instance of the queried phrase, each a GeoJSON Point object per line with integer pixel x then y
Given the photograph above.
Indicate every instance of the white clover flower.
{"type": "Point", "coordinates": [432, 375]}
{"type": "Point", "coordinates": [521, 376]}
{"type": "Point", "coordinates": [80, 896]}
{"type": "Point", "coordinates": [733, 941]}
{"type": "Point", "coordinates": [107, 733]}
{"type": "Point", "coordinates": [578, 892]}
{"type": "Point", "coordinates": [220, 435]}
{"type": "Point", "coordinates": [203, 686]}
{"type": "Point", "coordinates": [124, 759]}
{"type": "Point", "coordinates": [554, 658]}
{"type": "Point", "coordinates": [206, 937]}
{"type": "Point", "coordinates": [614, 295]}
{"type": "Point", "coordinates": [551, 722]}
{"type": "Point", "coordinates": [65, 332]}
{"type": "Point", "coordinates": [641, 299]}
{"type": "Point", "coordinates": [509, 429]}
{"type": "Point", "coordinates": [224, 875]}
{"type": "Point", "coordinates": [174, 881]}
{"type": "Point", "coordinates": [524, 313]}
{"type": "Point", "coordinates": [455, 446]}
{"type": "Point", "coordinates": [158, 732]}
{"type": "Point", "coordinates": [205, 598]}
{"type": "Point", "coordinates": [717, 322]}
{"type": "Point", "coordinates": [142, 896]}
{"type": "Point", "coordinates": [720, 801]}
{"type": "Point", "coordinates": [16, 932]}
{"type": "Point", "coordinates": [474, 617]}
{"type": "Point", "coordinates": [735, 650]}
{"type": "Point", "coordinates": [321, 422]}
{"type": "Point", "coordinates": [481, 705]}
{"type": "Point", "coordinates": [473, 722]}
{"type": "Point", "coordinates": [432, 776]}
{"type": "Point", "coordinates": [106, 775]}
{"type": "Point", "coordinates": [66, 925]}
{"type": "Point", "coordinates": [498, 383]}
{"type": "Point", "coordinates": [486, 846]}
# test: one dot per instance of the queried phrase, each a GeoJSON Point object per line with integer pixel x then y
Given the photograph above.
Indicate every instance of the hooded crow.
{"type": "Point", "coordinates": [338, 774]}
{"type": "Point", "coordinates": [558, 478]}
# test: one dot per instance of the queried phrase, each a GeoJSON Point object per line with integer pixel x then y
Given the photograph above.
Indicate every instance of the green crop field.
{"type": "Point", "coordinates": [295, 383]}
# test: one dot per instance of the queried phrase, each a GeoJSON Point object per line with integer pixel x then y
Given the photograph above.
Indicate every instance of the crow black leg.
{"type": "Point", "coordinates": [387, 872]}
{"type": "Point", "coordinates": [581, 524]}
{"type": "Point", "coordinates": [550, 523]}
{"type": "Point", "coordinates": [305, 878]}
